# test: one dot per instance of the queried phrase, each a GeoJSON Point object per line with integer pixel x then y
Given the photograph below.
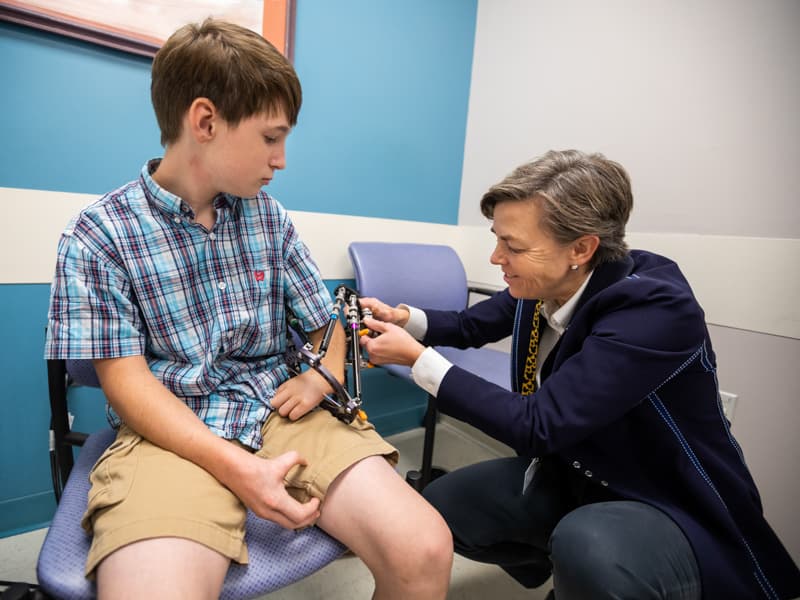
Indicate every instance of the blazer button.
{"type": "Point", "coordinates": [587, 473]}
{"type": "Point", "coordinates": [604, 483]}
{"type": "Point", "coordinates": [576, 464]}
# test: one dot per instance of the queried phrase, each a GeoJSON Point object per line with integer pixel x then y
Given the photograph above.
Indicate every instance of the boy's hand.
{"type": "Point", "coordinates": [384, 312]}
{"type": "Point", "coordinates": [261, 488]}
{"type": "Point", "coordinates": [394, 346]}
{"type": "Point", "coordinates": [298, 395]}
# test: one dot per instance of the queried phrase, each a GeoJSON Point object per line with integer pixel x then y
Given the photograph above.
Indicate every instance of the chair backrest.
{"type": "Point", "coordinates": [82, 372]}
{"type": "Point", "coordinates": [61, 374]}
{"type": "Point", "coordinates": [422, 275]}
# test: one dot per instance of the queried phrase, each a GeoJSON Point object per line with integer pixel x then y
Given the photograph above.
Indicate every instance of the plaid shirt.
{"type": "Point", "coordinates": [136, 276]}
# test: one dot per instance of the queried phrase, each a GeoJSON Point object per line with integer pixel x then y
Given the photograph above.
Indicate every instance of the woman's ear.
{"type": "Point", "coordinates": [583, 249]}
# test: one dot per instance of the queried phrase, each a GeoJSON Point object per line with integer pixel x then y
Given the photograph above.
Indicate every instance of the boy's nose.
{"type": "Point", "coordinates": [278, 162]}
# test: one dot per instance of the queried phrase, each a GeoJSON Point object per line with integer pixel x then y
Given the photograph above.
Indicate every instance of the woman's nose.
{"type": "Point", "coordinates": [496, 258]}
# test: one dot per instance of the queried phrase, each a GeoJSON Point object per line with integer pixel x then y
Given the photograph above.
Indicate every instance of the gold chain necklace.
{"type": "Point", "coordinates": [529, 374]}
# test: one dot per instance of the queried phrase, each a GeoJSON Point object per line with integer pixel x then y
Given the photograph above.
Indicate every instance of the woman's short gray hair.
{"type": "Point", "coordinates": [578, 193]}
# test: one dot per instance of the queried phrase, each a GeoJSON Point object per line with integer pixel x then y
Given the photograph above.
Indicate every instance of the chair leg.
{"type": "Point", "coordinates": [419, 479]}
{"type": "Point", "coordinates": [431, 414]}
{"type": "Point", "coordinates": [21, 591]}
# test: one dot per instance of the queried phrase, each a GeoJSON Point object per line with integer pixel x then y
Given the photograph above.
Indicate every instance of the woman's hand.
{"type": "Point", "coordinates": [394, 345]}
{"type": "Point", "coordinates": [384, 312]}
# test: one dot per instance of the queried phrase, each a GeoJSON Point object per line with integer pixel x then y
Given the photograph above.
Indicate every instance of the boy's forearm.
{"type": "Point", "coordinates": [335, 355]}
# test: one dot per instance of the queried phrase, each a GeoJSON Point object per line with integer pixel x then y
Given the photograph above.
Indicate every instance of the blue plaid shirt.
{"type": "Point", "coordinates": [136, 276]}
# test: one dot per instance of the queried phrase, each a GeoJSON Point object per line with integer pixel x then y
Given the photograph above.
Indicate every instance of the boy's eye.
{"type": "Point", "coordinates": [270, 140]}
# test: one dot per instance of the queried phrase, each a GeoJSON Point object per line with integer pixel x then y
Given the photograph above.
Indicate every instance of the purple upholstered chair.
{"type": "Point", "coordinates": [278, 557]}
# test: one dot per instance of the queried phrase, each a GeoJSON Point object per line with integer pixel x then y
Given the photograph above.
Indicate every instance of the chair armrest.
{"type": "Point", "coordinates": [76, 438]}
{"type": "Point", "coordinates": [483, 289]}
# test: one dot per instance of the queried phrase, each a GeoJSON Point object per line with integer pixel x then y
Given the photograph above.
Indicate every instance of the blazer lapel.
{"type": "Point", "coordinates": [604, 275]}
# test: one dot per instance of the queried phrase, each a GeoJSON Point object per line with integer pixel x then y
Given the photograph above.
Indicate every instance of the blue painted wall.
{"type": "Point", "coordinates": [381, 134]}
{"type": "Point", "coordinates": [75, 117]}
{"type": "Point", "coordinates": [25, 500]}
{"type": "Point", "coordinates": [382, 129]}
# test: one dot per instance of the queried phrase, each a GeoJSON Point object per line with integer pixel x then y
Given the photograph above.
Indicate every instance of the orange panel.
{"type": "Point", "coordinates": [274, 23]}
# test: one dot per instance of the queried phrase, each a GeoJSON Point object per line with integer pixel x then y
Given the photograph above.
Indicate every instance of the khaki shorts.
{"type": "Point", "coordinates": [142, 491]}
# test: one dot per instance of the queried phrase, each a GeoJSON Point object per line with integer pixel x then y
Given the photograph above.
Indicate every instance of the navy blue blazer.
{"type": "Point", "coordinates": [629, 402]}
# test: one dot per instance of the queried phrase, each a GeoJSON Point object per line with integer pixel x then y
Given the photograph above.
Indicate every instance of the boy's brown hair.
{"type": "Point", "coordinates": [234, 67]}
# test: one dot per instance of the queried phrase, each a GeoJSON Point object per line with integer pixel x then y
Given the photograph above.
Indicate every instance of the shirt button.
{"type": "Point", "coordinates": [576, 464]}
{"type": "Point", "coordinates": [222, 285]}
{"type": "Point", "coordinates": [587, 473]}
{"type": "Point", "coordinates": [604, 483]}
{"type": "Point", "coordinates": [177, 220]}
{"type": "Point", "coordinates": [212, 236]}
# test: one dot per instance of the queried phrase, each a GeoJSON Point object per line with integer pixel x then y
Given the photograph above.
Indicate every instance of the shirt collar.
{"type": "Point", "coordinates": [168, 202]}
{"type": "Point", "coordinates": [559, 318]}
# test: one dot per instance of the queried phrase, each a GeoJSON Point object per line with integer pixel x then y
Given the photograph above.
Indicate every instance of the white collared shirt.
{"type": "Point", "coordinates": [431, 367]}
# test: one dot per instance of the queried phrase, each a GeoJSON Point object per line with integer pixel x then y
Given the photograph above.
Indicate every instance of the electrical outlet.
{"type": "Point", "coordinates": [728, 404]}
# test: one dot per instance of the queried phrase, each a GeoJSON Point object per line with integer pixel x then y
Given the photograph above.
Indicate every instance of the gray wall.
{"type": "Point", "coordinates": [699, 100]}
{"type": "Point", "coordinates": [763, 371]}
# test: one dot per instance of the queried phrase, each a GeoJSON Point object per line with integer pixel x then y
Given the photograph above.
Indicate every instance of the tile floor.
{"type": "Point", "coordinates": [347, 578]}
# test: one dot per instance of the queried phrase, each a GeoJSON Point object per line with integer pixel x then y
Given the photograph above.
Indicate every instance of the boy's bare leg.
{"type": "Point", "coordinates": [401, 538]}
{"type": "Point", "coordinates": [168, 567]}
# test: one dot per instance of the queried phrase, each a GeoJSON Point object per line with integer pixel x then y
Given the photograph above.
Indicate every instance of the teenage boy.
{"type": "Point", "coordinates": [177, 284]}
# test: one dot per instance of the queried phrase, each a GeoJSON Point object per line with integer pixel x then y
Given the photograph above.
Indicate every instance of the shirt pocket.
{"type": "Point", "coordinates": [255, 325]}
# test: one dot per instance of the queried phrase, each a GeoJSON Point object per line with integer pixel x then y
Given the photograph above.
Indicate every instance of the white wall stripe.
{"type": "Point", "coordinates": [742, 282]}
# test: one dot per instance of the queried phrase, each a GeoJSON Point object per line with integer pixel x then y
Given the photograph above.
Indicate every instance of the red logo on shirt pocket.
{"type": "Point", "coordinates": [259, 275]}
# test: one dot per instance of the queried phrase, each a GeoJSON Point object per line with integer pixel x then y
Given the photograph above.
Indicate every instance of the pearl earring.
{"type": "Point", "coordinates": [574, 267]}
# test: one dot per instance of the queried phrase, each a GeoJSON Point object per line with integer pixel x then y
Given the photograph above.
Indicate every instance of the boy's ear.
{"type": "Point", "coordinates": [202, 119]}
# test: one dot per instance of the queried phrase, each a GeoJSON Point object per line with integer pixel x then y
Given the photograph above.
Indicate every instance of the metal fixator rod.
{"type": "Point", "coordinates": [344, 404]}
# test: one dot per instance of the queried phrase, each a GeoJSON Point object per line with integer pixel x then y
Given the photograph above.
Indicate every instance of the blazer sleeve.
{"type": "Point", "coordinates": [484, 322]}
{"type": "Point", "coordinates": [621, 346]}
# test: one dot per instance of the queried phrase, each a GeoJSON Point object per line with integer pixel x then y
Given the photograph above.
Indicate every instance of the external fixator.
{"type": "Point", "coordinates": [345, 400]}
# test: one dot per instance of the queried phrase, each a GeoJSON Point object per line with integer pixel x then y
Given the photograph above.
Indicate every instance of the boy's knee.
{"type": "Point", "coordinates": [428, 551]}
{"type": "Point", "coordinates": [435, 544]}
{"type": "Point", "coordinates": [440, 543]}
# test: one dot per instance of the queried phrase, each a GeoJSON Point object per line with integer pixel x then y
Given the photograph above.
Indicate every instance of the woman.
{"type": "Point", "coordinates": [638, 488]}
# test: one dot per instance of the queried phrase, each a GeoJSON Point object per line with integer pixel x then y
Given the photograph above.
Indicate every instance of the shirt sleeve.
{"type": "Point", "coordinates": [429, 370]}
{"type": "Point", "coordinates": [304, 289]}
{"type": "Point", "coordinates": [417, 324]}
{"type": "Point", "coordinates": [92, 313]}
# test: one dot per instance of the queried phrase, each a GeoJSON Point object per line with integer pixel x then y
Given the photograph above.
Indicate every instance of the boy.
{"type": "Point", "coordinates": [176, 285]}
